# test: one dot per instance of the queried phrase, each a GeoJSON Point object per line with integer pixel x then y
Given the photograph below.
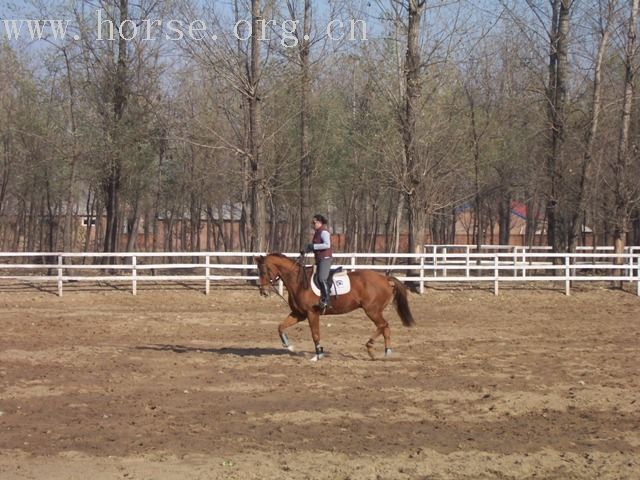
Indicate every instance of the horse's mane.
{"type": "Point", "coordinates": [278, 254]}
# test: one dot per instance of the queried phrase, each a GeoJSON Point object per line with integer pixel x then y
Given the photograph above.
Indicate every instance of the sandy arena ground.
{"type": "Point", "coordinates": [173, 384]}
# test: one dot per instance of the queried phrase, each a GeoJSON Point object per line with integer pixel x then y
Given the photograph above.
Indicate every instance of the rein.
{"type": "Point", "coordinates": [303, 276]}
{"type": "Point", "coordinates": [277, 292]}
{"type": "Point", "coordinates": [300, 263]}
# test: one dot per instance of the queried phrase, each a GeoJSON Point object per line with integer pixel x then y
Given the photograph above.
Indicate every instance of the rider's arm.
{"type": "Point", "coordinates": [326, 241]}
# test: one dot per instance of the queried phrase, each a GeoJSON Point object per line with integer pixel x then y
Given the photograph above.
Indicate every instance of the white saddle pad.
{"type": "Point", "coordinates": [341, 284]}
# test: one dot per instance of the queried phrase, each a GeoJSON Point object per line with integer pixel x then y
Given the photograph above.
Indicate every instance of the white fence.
{"type": "Point", "coordinates": [442, 264]}
{"type": "Point", "coordinates": [456, 248]}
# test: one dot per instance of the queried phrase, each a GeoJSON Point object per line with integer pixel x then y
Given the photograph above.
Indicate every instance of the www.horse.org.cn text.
{"type": "Point", "coordinates": [285, 32]}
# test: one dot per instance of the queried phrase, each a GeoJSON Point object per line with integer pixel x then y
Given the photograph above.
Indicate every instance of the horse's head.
{"type": "Point", "coordinates": [268, 274]}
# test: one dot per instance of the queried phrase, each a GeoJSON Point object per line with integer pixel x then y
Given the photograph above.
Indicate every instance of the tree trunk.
{"type": "Point", "coordinates": [409, 135]}
{"type": "Point", "coordinates": [504, 218]}
{"type": "Point", "coordinates": [306, 160]}
{"type": "Point", "coordinates": [132, 223]}
{"type": "Point", "coordinates": [147, 223]}
{"type": "Point", "coordinates": [557, 93]}
{"type": "Point", "coordinates": [635, 229]}
{"type": "Point", "coordinates": [621, 168]}
{"type": "Point", "coordinates": [576, 222]}
{"type": "Point", "coordinates": [67, 244]}
{"type": "Point", "coordinates": [99, 236]}
{"type": "Point", "coordinates": [258, 181]}
{"type": "Point", "coordinates": [113, 181]}
{"type": "Point", "coordinates": [7, 155]}
{"type": "Point", "coordinates": [475, 145]}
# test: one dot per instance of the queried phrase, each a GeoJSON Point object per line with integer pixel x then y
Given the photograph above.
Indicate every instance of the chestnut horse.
{"type": "Point", "coordinates": [370, 291]}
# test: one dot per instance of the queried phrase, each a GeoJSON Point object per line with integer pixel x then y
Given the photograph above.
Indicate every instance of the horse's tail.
{"type": "Point", "coordinates": [402, 302]}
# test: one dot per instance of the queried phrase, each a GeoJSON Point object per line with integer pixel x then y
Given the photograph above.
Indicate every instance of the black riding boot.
{"type": "Point", "coordinates": [325, 295]}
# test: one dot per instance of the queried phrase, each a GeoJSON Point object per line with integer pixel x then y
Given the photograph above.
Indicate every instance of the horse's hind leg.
{"type": "Point", "coordinates": [291, 319]}
{"type": "Point", "coordinates": [382, 328]}
{"type": "Point", "coordinates": [314, 325]}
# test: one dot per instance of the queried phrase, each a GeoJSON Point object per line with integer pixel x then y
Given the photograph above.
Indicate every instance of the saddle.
{"type": "Point", "coordinates": [338, 279]}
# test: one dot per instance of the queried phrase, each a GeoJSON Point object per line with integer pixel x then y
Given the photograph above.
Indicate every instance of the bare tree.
{"type": "Point", "coordinates": [304, 42]}
{"type": "Point", "coordinates": [579, 185]}
{"type": "Point", "coordinates": [413, 93]}
{"type": "Point", "coordinates": [557, 114]}
{"type": "Point", "coordinates": [623, 196]}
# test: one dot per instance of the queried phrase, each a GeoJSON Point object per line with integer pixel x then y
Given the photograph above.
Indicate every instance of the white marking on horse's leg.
{"type": "Point", "coordinates": [319, 353]}
{"type": "Point", "coordinates": [387, 352]}
{"type": "Point", "coordinates": [317, 357]}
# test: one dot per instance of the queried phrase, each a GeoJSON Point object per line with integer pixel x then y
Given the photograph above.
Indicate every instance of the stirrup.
{"type": "Point", "coordinates": [322, 305]}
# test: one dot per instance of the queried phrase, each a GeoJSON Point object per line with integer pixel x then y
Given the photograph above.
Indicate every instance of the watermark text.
{"type": "Point", "coordinates": [106, 29]}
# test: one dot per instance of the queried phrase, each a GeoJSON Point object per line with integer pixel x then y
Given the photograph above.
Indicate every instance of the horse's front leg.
{"type": "Point", "coordinates": [291, 319]}
{"type": "Point", "coordinates": [314, 324]}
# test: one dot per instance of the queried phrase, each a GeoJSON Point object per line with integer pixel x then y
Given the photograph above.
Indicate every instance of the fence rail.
{"type": "Point", "coordinates": [441, 264]}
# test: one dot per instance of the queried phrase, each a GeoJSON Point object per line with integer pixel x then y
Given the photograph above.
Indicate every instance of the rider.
{"type": "Point", "coordinates": [321, 247]}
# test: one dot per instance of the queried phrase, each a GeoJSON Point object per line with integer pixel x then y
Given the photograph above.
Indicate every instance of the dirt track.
{"type": "Point", "coordinates": [172, 384]}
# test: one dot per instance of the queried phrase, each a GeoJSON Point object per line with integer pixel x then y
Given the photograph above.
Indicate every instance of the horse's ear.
{"type": "Point", "coordinates": [258, 259]}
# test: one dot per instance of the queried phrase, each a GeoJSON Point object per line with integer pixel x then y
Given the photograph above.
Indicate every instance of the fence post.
{"type": "Point", "coordinates": [567, 274]}
{"type": "Point", "coordinates": [638, 276]}
{"type": "Point", "coordinates": [515, 261]}
{"type": "Point", "coordinates": [353, 264]}
{"type": "Point", "coordinates": [60, 273]}
{"type": "Point", "coordinates": [444, 260]}
{"type": "Point", "coordinates": [467, 262]}
{"type": "Point", "coordinates": [495, 274]}
{"type": "Point", "coordinates": [435, 261]}
{"type": "Point", "coordinates": [421, 274]}
{"type": "Point", "coordinates": [134, 274]}
{"type": "Point", "coordinates": [207, 271]}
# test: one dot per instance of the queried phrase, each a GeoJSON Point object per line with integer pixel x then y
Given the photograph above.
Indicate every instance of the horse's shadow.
{"type": "Point", "coordinates": [237, 351]}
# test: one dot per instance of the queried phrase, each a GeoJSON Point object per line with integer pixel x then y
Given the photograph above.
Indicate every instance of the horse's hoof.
{"type": "Point", "coordinates": [317, 357]}
{"type": "Point", "coordinates": [290, 348]}
{"type": "Point", "coordinates": [369, 346]}
{"type": "Point", "coordinates": [387, 352]}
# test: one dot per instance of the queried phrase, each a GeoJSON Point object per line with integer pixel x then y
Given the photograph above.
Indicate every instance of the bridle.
{"type": "Point", "coordinates": [262, 269]}
{"type": "Point", "coordinates": [272, 279]}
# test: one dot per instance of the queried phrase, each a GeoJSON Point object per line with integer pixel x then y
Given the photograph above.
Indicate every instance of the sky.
{"type": "Point", "coordinates": [476, 15]}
